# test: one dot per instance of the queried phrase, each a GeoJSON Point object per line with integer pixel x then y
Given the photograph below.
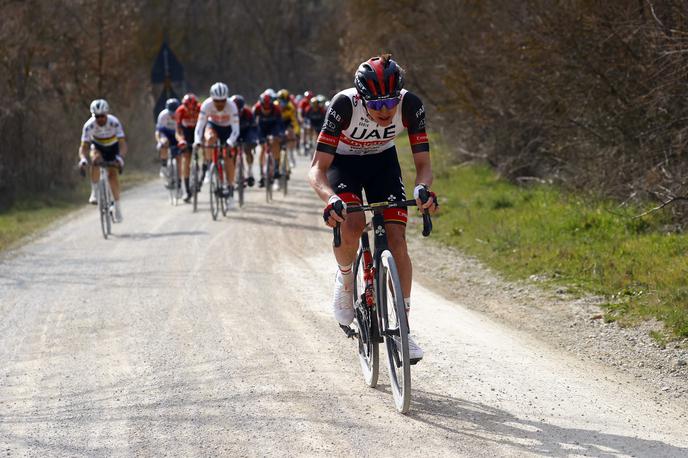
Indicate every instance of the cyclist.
{"type": "Point", "coordinates": [315, 113]}
{"type": "Point", "coordinates": [269, 118]}
{"type": "Point", "coordinates": [306, 130]}
{"type": "Point", "coordinates": [290, 123]}
{"type": "Point", "coordinates": [248, 134]}
{"type": "Point", "coordinates": [165, 134]}
{"type": "Point", "coordinates": [356, 152]}
{"type": "Point", "coordinates": [219, 120]}
{"type": "Point", "coordinates": [186, 117]}
{"type": "Point", "coordinates": [103, 139]}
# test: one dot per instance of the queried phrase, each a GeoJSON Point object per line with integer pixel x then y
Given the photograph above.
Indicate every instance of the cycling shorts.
{"type": "Point", "coordinates": [223, 132]}
{"type": "Point", "coordinates": [188, 135]}
{"type": "Point", "coordinates": [169, 134]}
{"type": "Point", "coordinates": [378, 174]}
{"type": "Point", "coordinates": [266, 129]}
{"type": "Point", "coordinates": [249, 136]}
{"type": "Point", "coordinates": [107, 153]}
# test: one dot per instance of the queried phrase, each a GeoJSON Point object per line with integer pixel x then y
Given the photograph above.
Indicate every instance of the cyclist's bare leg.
{"type": "Point", "coordinates": [95, 170]}
{"type": "Point", "coordinates": [351, 230]}
{"type": "Point", "coordinates": [396, 238]}
{"type": "Point", "coordinates": [276, 150]}
{"type": "Point", "coordinates": [210, 137]}
{"type": "Point", "coordinates": [114, 182]}
{"type": "Point", "coordinates": [230, 168]}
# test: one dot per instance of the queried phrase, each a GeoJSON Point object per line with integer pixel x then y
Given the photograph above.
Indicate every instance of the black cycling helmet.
{"type": "Point", "coordinates": [379, 78]}
{"type": "Point", "coordinates": [172, 104]}
{"type": "Point", "coordinates": [238, 101]}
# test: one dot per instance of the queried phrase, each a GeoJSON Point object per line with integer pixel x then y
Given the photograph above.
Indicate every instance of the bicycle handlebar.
{"type": "Point", "coordinates": [338, 207]}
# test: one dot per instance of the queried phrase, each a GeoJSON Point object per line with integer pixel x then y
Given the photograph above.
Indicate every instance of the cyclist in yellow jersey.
{"type": "Point", "coordinates": [290, 122]}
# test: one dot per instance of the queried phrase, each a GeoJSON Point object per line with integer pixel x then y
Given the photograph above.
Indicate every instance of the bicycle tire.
{"type": "Point", "coordinates": [194, 184]}
{"type": "Point", "coordinates": [174, 181]}
{"type": "Point", "coordinates": [240, 178]}
{"type": "Point", "coordinates": [214, 192]}
{"type": "Point", "coordinates": [284, 174]}
{"type": "Point", "coordinates": [110, 205]}
{"type": "Point", "coordinates": [103, 208]}
{"type": "Point", "coordinates": [368, 346]}
{"type": "Point", "coordinates": [269, 177]}
{"type": "Point", "coordinates": [394, 324]}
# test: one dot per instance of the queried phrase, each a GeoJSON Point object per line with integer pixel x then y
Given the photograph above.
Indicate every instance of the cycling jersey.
{"type": "Point", "coordinates": [106, 135]}
{"type": "Point", "coordinates": [167, 125]}
{"type": "Point", "coordinates": [187, 117]}
{"type": "Point", "coordinates": [349, 130]}
{"type": "Point", "coordinates": [289, 116]}
{"type": "Point", "coordinates": [227, 119]}
{"type": "Point", "coordinates": [315, 117]}
{"type": "Point", "coordinates": [186, 120]}
{"type": "Point", "coordinates": [269, 122]}
{"type": "Point", "coordinates": [247, 126]}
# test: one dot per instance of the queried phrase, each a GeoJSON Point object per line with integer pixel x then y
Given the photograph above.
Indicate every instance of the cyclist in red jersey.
{"type": "Point", "coordinates": [356, 152]}
{"type": "Point", "coordinates": [186, 117]}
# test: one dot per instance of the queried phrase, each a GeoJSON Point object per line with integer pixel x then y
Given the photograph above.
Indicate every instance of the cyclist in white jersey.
{"type": "Point", "coordinates": [219, 120]}
{"type": "Point", "coordinates": [103, 139]}
{"type": "Point", "coordinates": [356, 152]}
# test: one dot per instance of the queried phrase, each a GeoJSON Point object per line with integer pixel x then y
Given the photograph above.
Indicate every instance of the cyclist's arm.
{"type": "Point", "coordinates": [200, 126]}
{"type": "Point", "coordinates": [413, 117]}
{"type": "Point", "coordinates": [84, 149]}
{"type": "Point", "coordinates": [123, 148]}
{"type": "Point", "coordinates": [234, 123]}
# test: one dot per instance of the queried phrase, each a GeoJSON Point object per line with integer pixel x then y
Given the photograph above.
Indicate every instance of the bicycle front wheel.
{"type": "Point", "coordinates": [269, 177]}
{"type": "Point", "coordinates": [368, 346]}
{"type": "Point", "coordinates": [103, 208]}
{"type": "Point", "coordinates": [395, 330]}
{"type": "Point", "coordinates": [174, 181]}
{"type": "Point", "coordinates": [240, 178]}
{"type": "Point", "coordinates": [214, 192]}
{"type": "Point", "coordinates": [284, 174]}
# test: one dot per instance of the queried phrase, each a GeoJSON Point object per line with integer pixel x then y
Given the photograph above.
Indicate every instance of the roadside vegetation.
{"type": "Point", "coordinates": [30, 215]}
{"type": "Point", "coordinates": [584, 243]}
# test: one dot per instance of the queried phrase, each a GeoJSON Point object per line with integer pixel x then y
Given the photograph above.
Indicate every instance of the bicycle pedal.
{"type": "Point", "coordinates": [350, 333]}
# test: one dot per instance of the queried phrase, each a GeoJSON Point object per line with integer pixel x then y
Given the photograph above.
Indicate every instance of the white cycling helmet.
{"type": "Point", "coordinates": [100, 107]}
{"type": "Point", "coordinates": [219, 91]}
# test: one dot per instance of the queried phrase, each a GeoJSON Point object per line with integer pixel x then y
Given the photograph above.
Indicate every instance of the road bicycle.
{"type": "Point", "coordinates": [106, 200]}
{"type": "Point", "coordinates": [219, 191]}
{"type": "Point", "coordinates": [380, 312]}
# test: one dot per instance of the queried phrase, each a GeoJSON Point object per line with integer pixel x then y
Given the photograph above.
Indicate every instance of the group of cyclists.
{"type": "Point", "coordinates": [354, 152]}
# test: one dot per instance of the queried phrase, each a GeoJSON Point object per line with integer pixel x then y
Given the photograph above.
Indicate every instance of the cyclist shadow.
{"type": "Point", "coordinates": [463, 418]}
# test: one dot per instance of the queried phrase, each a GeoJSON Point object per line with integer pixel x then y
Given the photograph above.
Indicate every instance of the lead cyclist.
{"type": "Point", "coordinates": [356, 152]}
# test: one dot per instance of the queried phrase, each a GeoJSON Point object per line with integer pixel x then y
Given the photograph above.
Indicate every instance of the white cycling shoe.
{"type": "Point", "coordinates": [415, 352]}
{"type": "Point", "coordinates": [118, 213]}
{"type": "Point", "coordinates": [92, 198]}
{"type": "Point", "coordinates": [343, 300]}
{"type": "Point", "coordinates": [231, 203]}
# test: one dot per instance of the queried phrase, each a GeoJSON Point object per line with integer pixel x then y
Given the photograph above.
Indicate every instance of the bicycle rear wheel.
{"type": "Point", "coordinates": [368, 346]}
{"type": "Point", "coordinates": [194, 183]}
{"type": "Point", "coordinates": [214, 191]}
{"type": "Point", "coordinates": [395, 330]}
{"type": "Point", "coordinates": [103, 208]}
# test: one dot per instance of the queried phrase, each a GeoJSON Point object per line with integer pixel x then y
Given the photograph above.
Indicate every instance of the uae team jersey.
{"type": "Point", "coordinates": [103, 135]}
{"type": "Point", "coordinates": [166, 122]}
{"type": "Point", "coordinates": [349, 130]}
{"type": "Point", "coordinates": [229, 116]}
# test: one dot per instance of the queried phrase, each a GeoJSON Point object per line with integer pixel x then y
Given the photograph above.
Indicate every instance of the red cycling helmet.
{"type": "Point", "coordinates": [189, 100]}
{"type": "Point", "coordinates": [265, 99]}
{"type": "Point", "coordinates": [379, 78]}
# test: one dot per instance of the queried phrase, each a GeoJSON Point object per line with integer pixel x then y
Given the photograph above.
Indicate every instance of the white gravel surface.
{"type": "Point", "coordinates": [181, 336]}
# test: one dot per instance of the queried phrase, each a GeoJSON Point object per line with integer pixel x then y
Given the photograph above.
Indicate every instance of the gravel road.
{"type": "Point", "coordinates": [181, 336]}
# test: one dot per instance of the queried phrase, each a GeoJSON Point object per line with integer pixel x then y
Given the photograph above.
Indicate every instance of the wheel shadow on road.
{"type": "Point", "coordinates": [157, 235]}
{"type": "Point", "coordinates": [470, 419]}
